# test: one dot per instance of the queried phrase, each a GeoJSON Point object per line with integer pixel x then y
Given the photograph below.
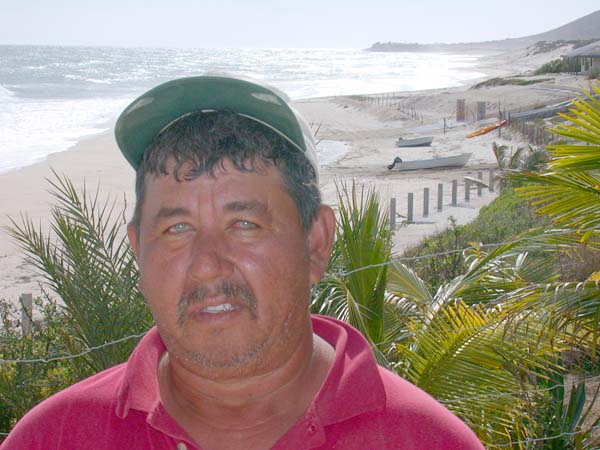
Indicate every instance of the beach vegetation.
{"type": "Point", "coordinates": [523, 158]}
{"type": "Point", "coordinates": [555, 66]}
{"type": "Point", "coordinates": [86, 261]}
{"type": "Point", "coordinates": [568, 191]}
{"type": "Point", "coordinates": [491, 343]}
{"type": "Point", "coordinates": [37, 375]}
{"type": "Point", "coordinates": [510, 81]}
{"type": "Point", "coordinates": [507, 216]}
{"type": "Point", "coordinates": [363, 242]}
{"type": "Point", "coordinates": [470, 342]}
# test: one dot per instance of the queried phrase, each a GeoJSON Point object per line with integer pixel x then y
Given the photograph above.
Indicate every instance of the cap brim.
{"type": "Point", "coordinates": [152, 112]}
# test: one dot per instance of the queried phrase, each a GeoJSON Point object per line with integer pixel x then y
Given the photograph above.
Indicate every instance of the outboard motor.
{"type": "Point", "coordinates": [397, 160]}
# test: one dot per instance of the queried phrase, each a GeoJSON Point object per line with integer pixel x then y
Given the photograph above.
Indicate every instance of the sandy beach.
{"type": "Point", "coordinates": [368, 129]}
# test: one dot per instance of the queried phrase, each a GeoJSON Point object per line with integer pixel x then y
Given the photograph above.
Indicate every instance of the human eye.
{"type": "Point", "coordinates": [246, 225]}
{"type": "Point", "coordinates": [178, 228]}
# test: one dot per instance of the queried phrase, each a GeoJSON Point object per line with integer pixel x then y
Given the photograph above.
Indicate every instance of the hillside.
{"type": "Point", "coordinates": [582, 29]}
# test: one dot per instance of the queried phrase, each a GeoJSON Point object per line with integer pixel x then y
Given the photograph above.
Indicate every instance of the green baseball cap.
{"type": "Point", "coordinates": [163, 105]}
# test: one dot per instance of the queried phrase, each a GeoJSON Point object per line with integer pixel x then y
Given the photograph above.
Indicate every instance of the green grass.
{"type": "Point", "coordinates": [554, 66]}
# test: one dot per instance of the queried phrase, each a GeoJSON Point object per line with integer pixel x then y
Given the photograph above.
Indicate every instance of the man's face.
{"type": "Point", "coordinates": [226, 268]}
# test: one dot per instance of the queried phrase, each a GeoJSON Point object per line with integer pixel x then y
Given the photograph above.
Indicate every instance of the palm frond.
{"type": "Point", "coordinates": [571, 199]}
{"type": "Point", "coordinates": [354, 288]}
{"type": "Point", "coordinates": [87, 262]}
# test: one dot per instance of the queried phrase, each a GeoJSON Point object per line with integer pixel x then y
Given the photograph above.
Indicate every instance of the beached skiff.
{"type": "Point", "coordinates": [415, 142]}
{"type": "Point", "coordinates": [446, 161]}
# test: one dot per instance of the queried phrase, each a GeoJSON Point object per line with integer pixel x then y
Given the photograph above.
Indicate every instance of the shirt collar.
{"type": "Point", "coordinates": [352, 387]}
{"type": "Point", "coordinates": [139, 386]}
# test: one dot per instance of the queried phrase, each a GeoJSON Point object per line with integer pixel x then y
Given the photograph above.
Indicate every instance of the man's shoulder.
{"type": "Point", "coordinates": [99, 390]}
{"type": "Point", "coordinates": [376, 408]}
{"type": "Point", "coordinates": [424, 419]}
{"type": "Point", "coordinates": [402, 395]}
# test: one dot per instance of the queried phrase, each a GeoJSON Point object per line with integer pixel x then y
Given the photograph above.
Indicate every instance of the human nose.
{"type": "Point", "coordinates": [210, 259]}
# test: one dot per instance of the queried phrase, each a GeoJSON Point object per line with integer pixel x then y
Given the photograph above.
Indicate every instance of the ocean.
{"type": "Point", "coordinates": [51, 97]}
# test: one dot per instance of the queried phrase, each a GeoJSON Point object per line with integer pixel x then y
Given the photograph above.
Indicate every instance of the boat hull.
{"type": "Point", "coordinates": [416, 142]}
{"type": "Point", "coordinates": [436, 163]}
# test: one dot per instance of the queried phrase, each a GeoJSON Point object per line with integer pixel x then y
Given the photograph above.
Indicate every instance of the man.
{"type": "Point", "coordinates": [230, 235]}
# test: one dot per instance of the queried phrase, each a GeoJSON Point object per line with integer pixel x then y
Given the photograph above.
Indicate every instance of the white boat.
{"type": "Point", "coordinates": [418, 164]}
{"type": "Point", "coordinates": [415, 142]}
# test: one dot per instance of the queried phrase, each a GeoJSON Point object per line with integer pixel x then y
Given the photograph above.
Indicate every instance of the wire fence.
{"type": "Point", "coordinates": [330, 276]}
{"type": "Point", "coordinates": [47, 360]}
{"type": "Point", "coordinates": [590, 379]}
{"type": "Point", "coordinates": [527, 442]}
{"type": "Point", "coordinates": [402, 259]}
{"type": "Point", "coordinates": [499, 395]}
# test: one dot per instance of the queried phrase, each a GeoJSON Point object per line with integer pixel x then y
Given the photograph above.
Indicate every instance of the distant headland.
{"type": "Point", "coordinates": [586, 28]}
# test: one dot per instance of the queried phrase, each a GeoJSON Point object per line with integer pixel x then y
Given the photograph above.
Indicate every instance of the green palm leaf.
{"type": "Point", "coordinates": [569, 191]}
{"type": "Point", "coordinates": [88, 263]}
{"type": "Point", "coordinates": [354, 287]}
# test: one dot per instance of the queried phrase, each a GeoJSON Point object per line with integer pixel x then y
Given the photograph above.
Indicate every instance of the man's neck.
{"type": "Point", "coordinates": [250, 411]}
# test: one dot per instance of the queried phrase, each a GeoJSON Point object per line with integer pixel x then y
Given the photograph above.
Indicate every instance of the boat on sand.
{"type": "Point", "coordinates": [414, 142]}
{"type": "Point", "coordinates": [446, 161]}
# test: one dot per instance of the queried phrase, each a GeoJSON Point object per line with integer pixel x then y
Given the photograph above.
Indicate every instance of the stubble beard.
{"type": "Point", "coordinates": [238, 358]}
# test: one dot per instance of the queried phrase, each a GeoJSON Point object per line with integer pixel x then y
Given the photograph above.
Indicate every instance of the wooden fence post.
{"type": "Point", "coordinates": [461, 110]}
{"type": "Point", "coordinates": [425, 202]}
{"type": "Point", "coordinates": [440, 199]}
{"type": "Point", "coordinates": [467, 191]}
{"type": "Point", "coordinates": [409, 213]}
{"type": "Point", "coordinates": [491, 178]}
{"type": "Point", "coordinates": [480, 111]}
{"type": "Point", "coordinates": [479, 187]}
{"type": "Point", "coordinates": [26, 301]}
{"type": "Point", "coordinates": [454, 192]}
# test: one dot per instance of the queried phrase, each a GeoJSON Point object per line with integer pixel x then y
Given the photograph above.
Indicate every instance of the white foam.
{"type": "Point", "coordinates": [5, 93]}
{"type": "Point", "coordinates": [330, 151]}
{"type": "Point", "coordinates": [30, 131]}
{"type": "Point", "coordinates": [59, 100]}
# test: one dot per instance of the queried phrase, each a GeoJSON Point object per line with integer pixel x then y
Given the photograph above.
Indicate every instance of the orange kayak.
{"type": "Point", "coordinates": [487, 129]}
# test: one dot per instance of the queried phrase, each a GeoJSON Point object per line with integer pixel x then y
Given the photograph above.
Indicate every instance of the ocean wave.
{"type": "Point", "coordinates": [6, 93]}
{"type": "Point", "coordinates": [31, 130]}
{"type": "Point", "coordinates": [88, 80]}
{"type": "Point", "coordinates": [53, 96]}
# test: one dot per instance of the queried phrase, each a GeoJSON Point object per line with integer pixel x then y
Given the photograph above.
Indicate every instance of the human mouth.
{"type": "Point", "coordinates": [224, 307]}
{"type": "Point", "coordinates": [218, 302]}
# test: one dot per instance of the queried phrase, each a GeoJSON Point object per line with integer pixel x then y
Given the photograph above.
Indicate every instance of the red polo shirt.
{"type": "Point", "coordinates": [360, 406]}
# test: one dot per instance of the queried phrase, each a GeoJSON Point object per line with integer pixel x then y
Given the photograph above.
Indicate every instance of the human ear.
{"type": "Point", "coordinates": [132, 234]}
{"type": "Point", "coordinates": [320, 241]}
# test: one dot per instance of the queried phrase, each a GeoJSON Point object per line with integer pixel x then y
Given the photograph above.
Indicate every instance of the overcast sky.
{"type": "Point", "coordinates": [278, 23]}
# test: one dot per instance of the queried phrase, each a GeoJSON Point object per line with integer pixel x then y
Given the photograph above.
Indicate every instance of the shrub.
{"type": "Point", "coordinates": [507, 81]}
{"type": "Point", "coordinates": [505, 217]}
{"type": "Point", "coordinates": [554, 66]}
{"type": "Point", "coordinates": [24, 384]}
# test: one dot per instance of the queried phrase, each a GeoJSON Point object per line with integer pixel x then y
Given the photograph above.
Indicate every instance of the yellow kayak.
{"type": "Point", "coordinates": [487, 128]}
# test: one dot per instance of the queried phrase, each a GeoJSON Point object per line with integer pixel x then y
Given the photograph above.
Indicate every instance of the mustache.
{"type": "Point", "coordinates": [226, 289]}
